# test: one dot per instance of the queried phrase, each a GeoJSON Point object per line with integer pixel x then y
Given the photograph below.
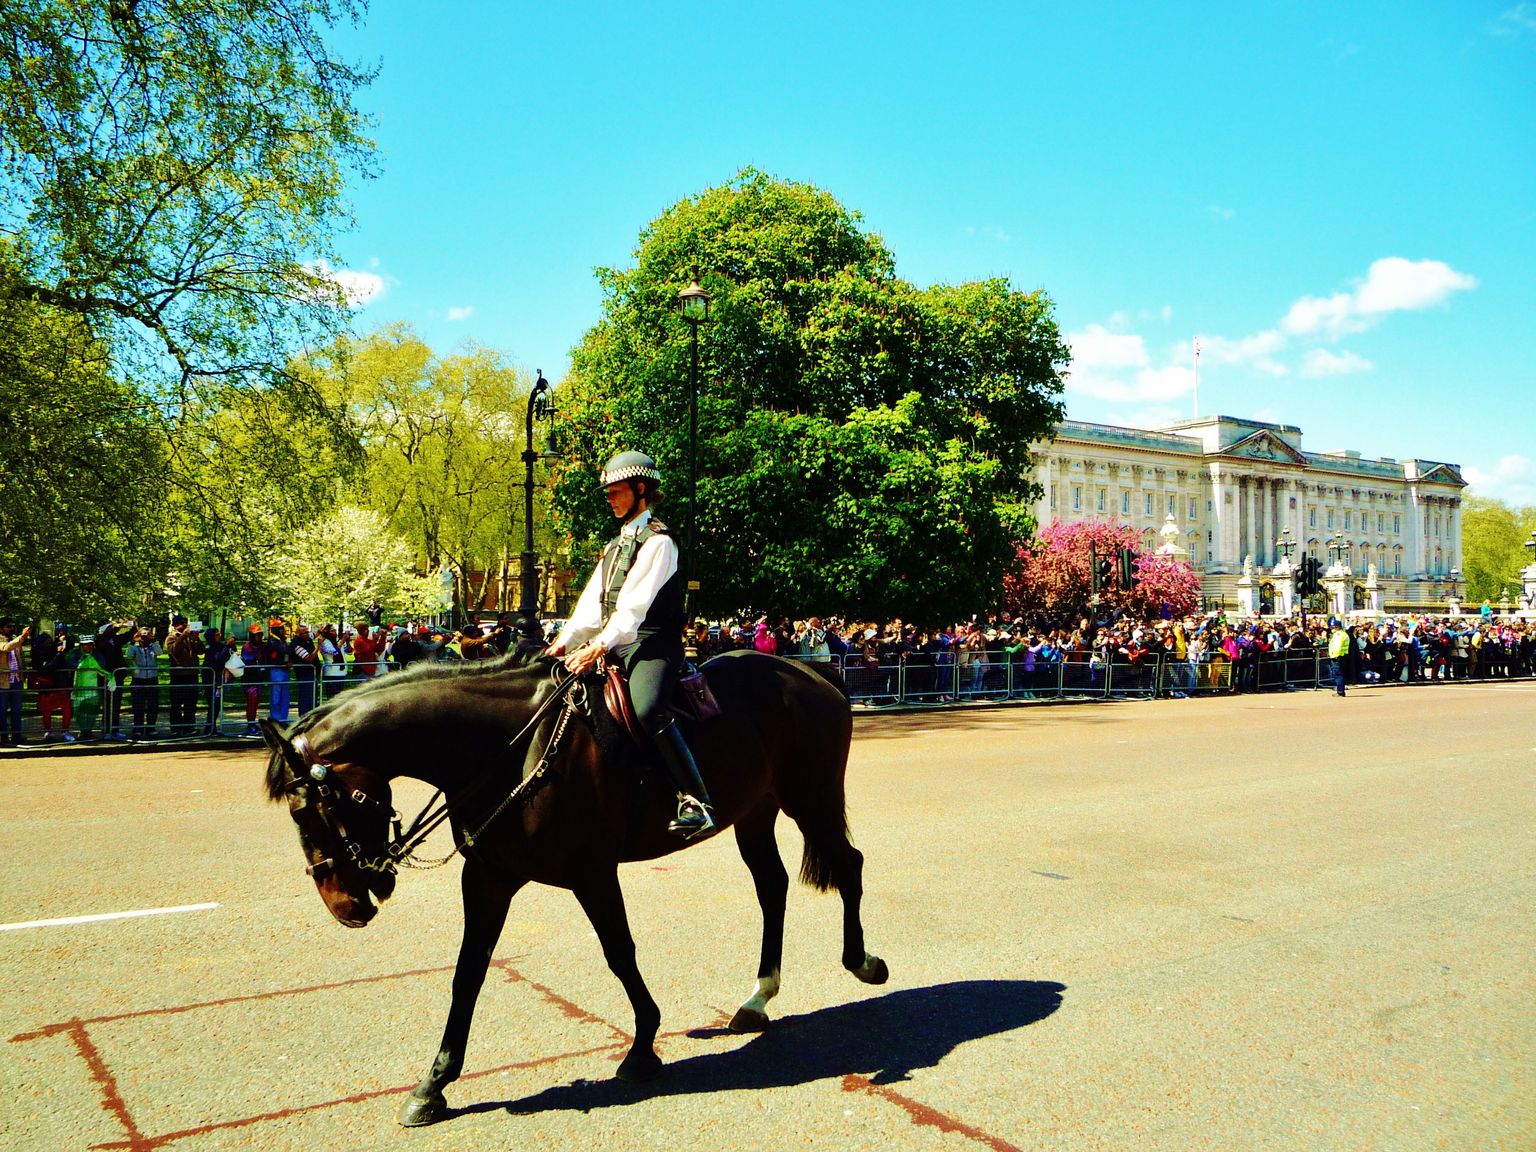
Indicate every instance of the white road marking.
{"type": "Point", "coordinates": [66, 920]}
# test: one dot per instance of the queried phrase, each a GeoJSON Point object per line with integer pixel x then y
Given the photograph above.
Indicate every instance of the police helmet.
{"type": "Point", "coordinates": [629, 466]}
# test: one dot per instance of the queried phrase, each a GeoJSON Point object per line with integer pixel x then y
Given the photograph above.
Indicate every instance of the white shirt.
{"type": "Point", "coordinates": [654, 565]}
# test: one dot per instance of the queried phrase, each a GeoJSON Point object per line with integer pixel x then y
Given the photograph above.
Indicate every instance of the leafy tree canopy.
{"type": "Point", "coordinates": [170, 175]}
{"type": "Point", "coordinates": [80, 531]}
{"type": "Point", "coordinates": [442, 439]}
{"type": "Point", "coordinates": [862, 442]}
{"type": "Point", "coordinates": [1493, 535]}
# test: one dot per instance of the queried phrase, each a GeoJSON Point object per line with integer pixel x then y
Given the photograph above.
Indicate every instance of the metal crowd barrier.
{"type": "Point", "coordinates": [198, 703]}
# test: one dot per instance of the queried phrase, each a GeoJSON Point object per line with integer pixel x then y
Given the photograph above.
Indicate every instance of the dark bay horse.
{"type": "Point", "coordinates": [539, 790]}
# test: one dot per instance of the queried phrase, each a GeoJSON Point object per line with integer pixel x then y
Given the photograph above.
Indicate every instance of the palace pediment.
{"type": "Point", "coordinates": [1263, 445]}
{"type": "Point", "coordinates": [1442, 474]}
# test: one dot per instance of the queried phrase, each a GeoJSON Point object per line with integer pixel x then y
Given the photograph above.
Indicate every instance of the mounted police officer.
{"type": "Point", "coordinates": [631, 611]}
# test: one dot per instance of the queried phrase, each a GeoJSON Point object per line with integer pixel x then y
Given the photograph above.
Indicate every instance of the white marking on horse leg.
{"type": "Point", "coordinates": [753, 1015]}
{"type": "Point", "coordinates": [873, 970]}
{"type": "Point", "coordinates": [766, 988]}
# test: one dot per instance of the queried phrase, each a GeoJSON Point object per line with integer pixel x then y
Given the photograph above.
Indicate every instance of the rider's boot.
{"type": "Point", "coordinates": [695, 814]}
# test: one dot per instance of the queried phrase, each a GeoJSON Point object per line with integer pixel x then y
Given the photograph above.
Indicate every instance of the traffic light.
{"type": "Point", "coordinates": [1307, 577]}
{"type": "Point", "coordinates": [1100, 572]}
{"type": "Point", "coordinates": [1127, 565]}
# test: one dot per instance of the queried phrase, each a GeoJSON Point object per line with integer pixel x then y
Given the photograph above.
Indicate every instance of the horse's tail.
{"type": "Point", "coordinates": [823, 819]}
{"type": "Point", "coordinates": [818, 860]}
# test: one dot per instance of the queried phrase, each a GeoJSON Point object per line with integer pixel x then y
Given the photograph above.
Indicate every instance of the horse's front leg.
{"type": "Point", "coordinates": [486, 899]}
{"type": "Point", "coordinates": [603, 901]}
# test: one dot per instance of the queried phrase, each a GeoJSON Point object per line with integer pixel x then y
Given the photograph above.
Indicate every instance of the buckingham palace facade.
{"type": "Point", "coordinates": [1231, 488]}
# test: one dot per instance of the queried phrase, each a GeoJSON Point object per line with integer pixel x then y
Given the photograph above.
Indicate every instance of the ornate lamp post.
{"type": "Point", "coordinates": [540, 405]}
{"type": "Point", "coordinates": [1285, 570]}
{"type": "Point", "coordinates": [1528, 577]}
{"type": "Point", "coordinates": [693, 304]}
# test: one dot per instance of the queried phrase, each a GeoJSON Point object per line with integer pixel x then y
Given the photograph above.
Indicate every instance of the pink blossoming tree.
{"type": "Point", "coordinates": [1055, 575]}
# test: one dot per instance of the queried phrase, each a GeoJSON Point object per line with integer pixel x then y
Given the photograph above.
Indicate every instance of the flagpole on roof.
{"type": "Point", "coordinates": [1197, 377]}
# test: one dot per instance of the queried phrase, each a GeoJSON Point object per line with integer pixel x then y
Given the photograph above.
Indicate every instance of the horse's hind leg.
{"type": "Point", "coordinates": [603, 901]}
{"type": "Point", "coordinates": [486, 900]}
{"type": "Point", "coordinates": [831, 861]}
{"type": "Point", "coordinates": [754, 838]}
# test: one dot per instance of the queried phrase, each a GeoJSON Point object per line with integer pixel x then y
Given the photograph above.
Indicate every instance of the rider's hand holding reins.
{"type": "Point", "coordinates": [583, 659]}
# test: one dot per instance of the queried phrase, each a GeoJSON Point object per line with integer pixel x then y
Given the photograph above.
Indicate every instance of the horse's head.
{"type": "Point", "coordinates": [344, 816]}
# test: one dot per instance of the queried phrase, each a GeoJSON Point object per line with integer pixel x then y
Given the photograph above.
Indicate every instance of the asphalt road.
{"type": "Point", "coordinates": [1274, 922]}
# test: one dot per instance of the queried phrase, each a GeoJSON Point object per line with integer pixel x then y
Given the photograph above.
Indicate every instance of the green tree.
{"type": "Point", "coordinates": [442, 440]}
{"type": "Point", "coordinates": [862, 442]}
{"type": "Point", "coordinates": [1493, 535]}
{"type": "Point", "coordinates": [331, 568]}
{"type": "Point", "coordinates": [81, 535]}
{"type": "Point", "coordinates": [170, 177]}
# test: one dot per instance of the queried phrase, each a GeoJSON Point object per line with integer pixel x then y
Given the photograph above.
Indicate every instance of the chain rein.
{"type": "Point", "coordinates": [406, 855]}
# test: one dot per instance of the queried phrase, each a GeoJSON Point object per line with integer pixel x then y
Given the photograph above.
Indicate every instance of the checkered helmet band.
{"type": "Point", "coordinates": [629, 466]}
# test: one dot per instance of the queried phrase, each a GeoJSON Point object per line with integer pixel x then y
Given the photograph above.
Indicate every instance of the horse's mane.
{"type": "Point", "coordinates": [511, 664]}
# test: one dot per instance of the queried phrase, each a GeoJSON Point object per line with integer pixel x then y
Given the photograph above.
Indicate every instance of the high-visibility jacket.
{"type": "Point", "coordinates": [1338, 644]}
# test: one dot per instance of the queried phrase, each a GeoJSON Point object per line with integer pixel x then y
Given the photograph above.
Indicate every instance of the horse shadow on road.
{"type": "Point", "coordinates": [884, 1038]}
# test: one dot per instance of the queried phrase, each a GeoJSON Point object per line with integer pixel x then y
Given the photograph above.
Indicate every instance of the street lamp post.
{"type": "Point", "coordinates": [1287, 548]}
{"type": "Point", "coordinates": [539, 404]}
{"type": "Point", "coordinates": [693, 304]}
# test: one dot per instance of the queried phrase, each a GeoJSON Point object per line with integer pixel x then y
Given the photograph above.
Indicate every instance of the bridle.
{"type": "Point", "coordinates": [322, 795]}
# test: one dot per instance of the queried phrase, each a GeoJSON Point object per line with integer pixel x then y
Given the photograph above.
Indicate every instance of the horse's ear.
{"type": "Point", "coordinates": [278, 742]}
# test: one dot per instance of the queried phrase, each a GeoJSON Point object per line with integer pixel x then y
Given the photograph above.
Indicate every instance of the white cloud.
{"type": "Point", "coordinates": [1321, 362]}
{"type": "Point", "coordinates": [1392, 284]}
{"type": "Point", "coordinates": [1398, 285]}
{"type": "Point", "coordinates": [1256, 351]}
{"type": "Point", "coordinates": [1221, 213]}
{"type": "Point", "coordinates": [1515, 21]}
{"type": "Point", "coordinates": [1331, 316]}
{"type": "Point", "coordinates": [1111, 362]}
{"type": "Point", "coordinates": [1097, 347]}
{"type": "Point", "coordinates": [458, 313]}
{"type": "Point", "coordinates": [359, 287]}
{"type": "Point", "coordinates": [1512, 480]}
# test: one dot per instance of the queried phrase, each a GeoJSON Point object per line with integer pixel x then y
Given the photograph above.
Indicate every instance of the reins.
{"type": "Point", "coordinates": [402, 846]}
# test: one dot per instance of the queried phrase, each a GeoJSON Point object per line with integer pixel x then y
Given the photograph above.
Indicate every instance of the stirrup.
{"type": "Point", "coordinates": [694, 819]}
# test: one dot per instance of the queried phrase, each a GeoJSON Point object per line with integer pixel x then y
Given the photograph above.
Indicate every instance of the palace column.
{"type": "Point", "coordinates": [1272, 521]}
{"type": "Point", "coordinates": [1455, 530]}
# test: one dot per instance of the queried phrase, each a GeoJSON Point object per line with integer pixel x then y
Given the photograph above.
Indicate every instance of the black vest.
{"type": "Point", "coordinates": [666, 616]}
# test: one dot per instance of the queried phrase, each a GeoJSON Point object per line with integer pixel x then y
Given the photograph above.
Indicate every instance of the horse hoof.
{"type": "Point", "coordinates": [419, 1111]}
{"type": "Point", "coordinates": [638, 1067]}
{"type": "Point", "coordinates": [872, 971]}
{"type": "Point", "coordinates": [749, 1020]}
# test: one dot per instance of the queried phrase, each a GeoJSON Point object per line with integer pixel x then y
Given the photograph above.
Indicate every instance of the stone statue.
{"type": "Point", "coordinates": [1248, 566]}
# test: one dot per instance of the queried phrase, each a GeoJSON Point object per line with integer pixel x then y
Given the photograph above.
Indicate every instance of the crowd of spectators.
{"type": "Point", "coordinates": [111, 682]}
{"type": "Point", "coordinates": [1195, 651]}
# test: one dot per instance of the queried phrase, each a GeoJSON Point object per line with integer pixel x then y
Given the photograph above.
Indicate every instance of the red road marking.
{"type": "Point", "coordinates": [113, 1103]}
{"type": "Point", "coordinates": [924, 1116]}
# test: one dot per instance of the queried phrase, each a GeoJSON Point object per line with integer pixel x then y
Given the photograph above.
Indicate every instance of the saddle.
{"type": "Point", "coordinates": [692, 698]}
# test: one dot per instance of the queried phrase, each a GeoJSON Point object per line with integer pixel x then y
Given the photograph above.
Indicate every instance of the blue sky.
{"type": "Point", "coordinates": [1339, 202]}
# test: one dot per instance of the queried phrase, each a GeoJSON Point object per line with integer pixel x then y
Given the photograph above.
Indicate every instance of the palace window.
{"type": "Point", "coordinates": [1330, 519]}
{"type": "Point", "coordinates": [1101, 499]}
{"type": "Point", "coordinates": [1381, 521]}
{"type": "Point", "coordinates": [1125, 503]}
{"type": "Point", "coordinates": [1397, 523]}
{"type": "Point", "coordinates": [1077, 499]}
{"type": "Point", "coordinates": [1397, 563]}
{"type": "Point", "coordinates": [1149, 504]}
{"type": "Point", "coordinates": [1346, 521]}
{"type": "Point", "coordinates": [1173, 505]}
{"type": "Point", "coordinates": [1311, 517]}
{"type": "Point", "coordinates": [1192, 506]}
